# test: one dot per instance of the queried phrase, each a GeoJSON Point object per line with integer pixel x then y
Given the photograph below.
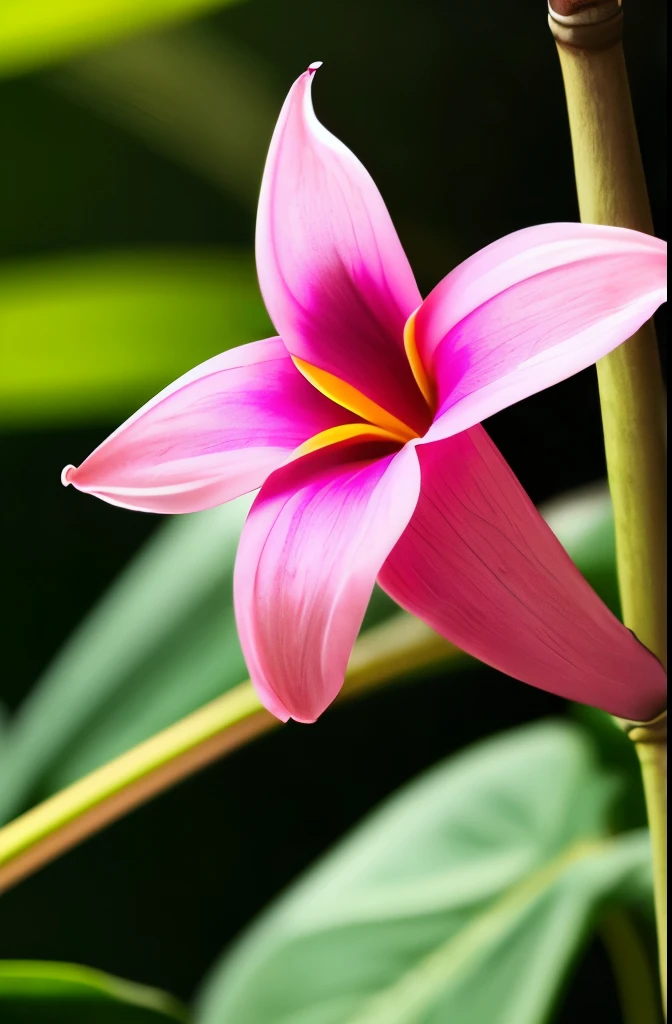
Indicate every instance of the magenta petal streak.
{"type": "Point", "coordinates": [214, 434]}
{"type": "Point", "coordinates": [335, 279]}
{"type": "Point", "coordinates": [315, 539]}
{"type": "Point", "coordinates": [479, 565]}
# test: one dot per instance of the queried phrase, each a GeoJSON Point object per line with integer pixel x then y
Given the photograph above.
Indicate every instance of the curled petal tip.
{"type": "Point", "coordinates": [312, 68]}
{"type": "Point", "coordinates": [66, 474]}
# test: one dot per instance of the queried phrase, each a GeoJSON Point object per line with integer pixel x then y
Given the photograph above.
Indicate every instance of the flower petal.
{"type": "Point", "coordinates": [532, 309]}
{"type": "Point", "coordinates": [479, 565]}
{"type": "Point", "coordinates": [332, 271]}
{"type": "Point", "coordinates": [213, 434]}
{"type": "Point", "coordinates": [311, 548]}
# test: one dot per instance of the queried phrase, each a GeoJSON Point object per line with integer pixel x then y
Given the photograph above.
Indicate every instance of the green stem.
{"type": "Point", "coordinates": [632, 972]}
{"type": "Point", "coordinates": [651, 746]}
{"type": "Point", "coordinates": [382, 653]}
{"type": "Point", "coordinates": [611, 189]}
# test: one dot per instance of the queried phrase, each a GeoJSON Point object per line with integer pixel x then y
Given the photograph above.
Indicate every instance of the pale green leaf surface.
{"type": "Point", "coordinates": [47, 992]}
{"type": "Point", "coordinates": [38, 32]}
{"type": "Point", "coordinates": [90, 337]}
{"type": "Point", "coordinates": [464, 898]}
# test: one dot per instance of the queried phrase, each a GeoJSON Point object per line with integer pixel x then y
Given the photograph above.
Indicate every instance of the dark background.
{"type": "Point", "coordinates": [458, 112]}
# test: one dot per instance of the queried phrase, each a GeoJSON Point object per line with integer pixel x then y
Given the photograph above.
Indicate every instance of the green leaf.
{"type": "Point", "coordinates": [90, 338]}
{"type": "Point", "coordinates": [201, 101]}
{"type": "Point", "coordinates": [464, 898]}
{"type": "Point", "coordinates": [44, 992]}
{"type": "Point", "coordinates": [38, 32]}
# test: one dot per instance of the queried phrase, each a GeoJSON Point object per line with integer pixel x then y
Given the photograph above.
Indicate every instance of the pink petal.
{"type": "Point", "coordinates": [333, 274]}
{"type": "Point", "coordinates": [213, 434]}
{"type": "Point", "coordinates": [481, 567]}
{"type": "Point", "coordinates": [314, 541]}
{"type": "Point", "coordinates": [532, 309]}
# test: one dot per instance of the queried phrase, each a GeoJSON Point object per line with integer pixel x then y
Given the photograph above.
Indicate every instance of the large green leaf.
{"type": "Point", "coordinates": [91, 337]}
{"type": "Point", "coordinates": [162, 642]}
{"type": "Point", "coordinates": [44, 992]}
{"type": "Point", "coordinates": [37, 32]}
{"type": "Point", "coordinates": [464, 898]}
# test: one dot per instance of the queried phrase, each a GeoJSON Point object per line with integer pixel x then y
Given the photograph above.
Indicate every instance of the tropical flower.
{"type": "Point", "coordinates": [361, 425]}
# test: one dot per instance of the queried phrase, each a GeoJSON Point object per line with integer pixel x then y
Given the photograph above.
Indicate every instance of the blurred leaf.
{"type": "Point", "coordinates": [617, 753]}
{"type": "Point", "coordinates": [584, 523]}
{"type": "Point", "coordinates": [37, 32]}
{"type": "Point", "coordinates": [491, 866]}
{"type": "Point", "coordinates": [203, 102]}
{"type": "Point", "coordinates": [153, 649]}
{"type": "Point", "coordinates": [44, 992]}
{"type": "Point", "coordinates": [160, 643]}
{"type": "Point", "coordinates": [91, 337]}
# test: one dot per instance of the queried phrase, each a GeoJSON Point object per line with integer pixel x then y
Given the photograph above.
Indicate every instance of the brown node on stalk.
{"type": "Point", "coordinates": [586, 24]}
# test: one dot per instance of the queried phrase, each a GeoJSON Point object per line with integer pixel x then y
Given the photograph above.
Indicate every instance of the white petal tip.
{"type": "Point", "coordinates": [312, 68]}
{"type": "Point", "coordinates": [65, 475]}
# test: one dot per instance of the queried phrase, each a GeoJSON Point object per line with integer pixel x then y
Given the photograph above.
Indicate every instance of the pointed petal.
{"type": "Point", "coordinates": [314, 541]}
{"type": "Point", "coordinates": [213, 434]}
{"type": "Point", "coordinates": [333, 274]}
{"type": "Point", "coordinates": [478, 563]}
{"type": "Point", "coordinates": [532, 309]}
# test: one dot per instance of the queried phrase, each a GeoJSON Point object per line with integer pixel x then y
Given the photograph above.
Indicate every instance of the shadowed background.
{"type": "Point", "coordinates": [143, 160]}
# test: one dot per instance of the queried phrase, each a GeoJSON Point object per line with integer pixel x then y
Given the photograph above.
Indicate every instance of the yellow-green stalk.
{"type": "Point", "coordinates": [612, 190]}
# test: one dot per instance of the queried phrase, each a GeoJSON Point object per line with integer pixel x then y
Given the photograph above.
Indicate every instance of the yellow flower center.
{"type": "Point", "coordinates": [380, 424]}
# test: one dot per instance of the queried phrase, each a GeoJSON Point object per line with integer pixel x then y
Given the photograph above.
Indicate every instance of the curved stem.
{"type": "Point", "coordinates": [381, 654]}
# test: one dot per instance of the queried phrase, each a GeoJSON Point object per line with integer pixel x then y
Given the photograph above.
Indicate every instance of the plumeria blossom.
{"type": "Point", "coordinates": [361, 425]}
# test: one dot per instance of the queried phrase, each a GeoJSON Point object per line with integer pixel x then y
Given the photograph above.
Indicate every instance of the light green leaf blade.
{"type": "Point", "coordinates": [47, 992]}
{"type": "Point", "coordinates": [38, 32]}
{"type": "Point", "coordinates": [204, 102]}
{"type": "Point", "coordinates": [91, 337]}
{"type": "Point", "coordinates": [463, 898]}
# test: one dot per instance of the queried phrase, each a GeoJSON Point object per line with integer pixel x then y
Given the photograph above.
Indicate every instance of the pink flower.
{"type": "Point", "coordinates": [360, 423]}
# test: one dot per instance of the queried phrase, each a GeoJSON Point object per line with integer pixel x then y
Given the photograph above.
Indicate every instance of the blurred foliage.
{"type": "Point", "coordinates": [465, 898]}
{"type": "Point", "coordinates": [33, 992]}
{"type": "Point", "coordinates": [203, 101]}
{"type": "Point", "coordinates": [90, 337]}
{"type": "Point", "coordinates": [168, 619]}
{"type": "Point", "coordinates": [33, 32]}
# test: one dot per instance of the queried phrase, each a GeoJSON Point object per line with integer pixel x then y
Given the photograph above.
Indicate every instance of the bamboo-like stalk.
{"type": "Point", "coordinates": [651, 745]}
{"type": "Point", "coordinates": [611, 189]}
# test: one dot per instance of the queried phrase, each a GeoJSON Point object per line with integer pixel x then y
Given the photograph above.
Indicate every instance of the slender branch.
{"type": "Point", "coordinates": [383, 653]}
